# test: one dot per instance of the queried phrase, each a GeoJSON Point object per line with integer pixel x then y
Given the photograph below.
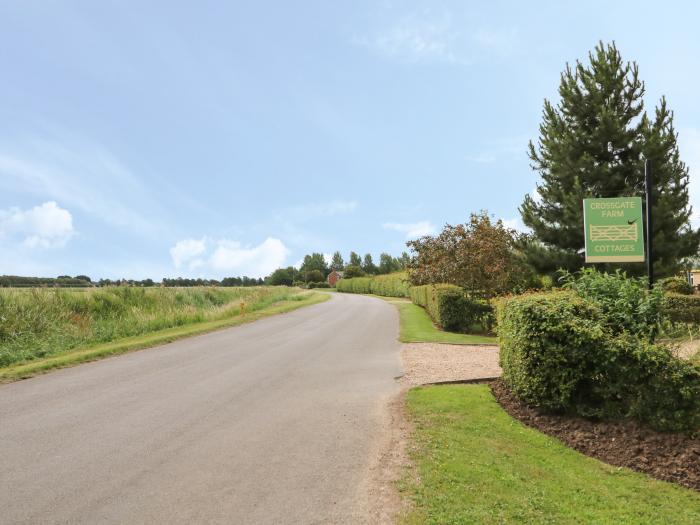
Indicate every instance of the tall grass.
{"type": "Point", "coordinates": [37, 323]}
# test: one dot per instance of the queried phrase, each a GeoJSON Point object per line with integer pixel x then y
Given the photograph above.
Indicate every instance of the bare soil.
{"type": "Point", "coordinates": [665, 456]}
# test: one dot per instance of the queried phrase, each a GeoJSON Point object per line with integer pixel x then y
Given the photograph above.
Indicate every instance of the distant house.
{"type": "Point", "coordinates": [334, 277]}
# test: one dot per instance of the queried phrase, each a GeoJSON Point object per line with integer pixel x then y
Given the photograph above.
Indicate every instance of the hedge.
{"type": "Point", "coordinates": [682, 308]}
{"type": "Point", "coordinates": [389, 285]}
{"type": "Point", "coordinates": [559, 354]}
{"type": "Point", "coordinates": [450, 308]}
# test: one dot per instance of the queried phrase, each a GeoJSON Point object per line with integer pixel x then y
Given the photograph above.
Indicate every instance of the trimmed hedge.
{"type": "Point", "coordinates": [559, 353]}
{"type": "Point", "coordinates": [682, 308]}
{"type": "Point", "coordinates": [450, 308]}
{"type": "Point", "coordinates": [389, 285]}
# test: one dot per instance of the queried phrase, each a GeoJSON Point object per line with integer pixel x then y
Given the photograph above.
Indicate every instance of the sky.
{"type": "Point", "coordinates": [211, 139]}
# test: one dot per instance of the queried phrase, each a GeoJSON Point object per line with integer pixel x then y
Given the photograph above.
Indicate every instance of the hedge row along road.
{"type": "Point", "coordinates": [271, 422]}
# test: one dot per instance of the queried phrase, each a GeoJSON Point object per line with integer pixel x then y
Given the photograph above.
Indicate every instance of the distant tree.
{"type": "Point", "coordinates": [315, 261]}
{"type": "Point", "coordinates": [404, 261]}
{"type": "Point", "coordinates": [388, 264]}
{"type": "Point", "coordinates": [83, 278]}
{"type": "Point", "coordinates": [368, 265]}
{"type": "Point", "coordinates": [353, 270]}
{"type": "Point", "coordinates": [282, 277]}
{"type": "Point", "coordinates": [480, 256]}
{"type": "Point", "coordinates": [337, 262]}
{"type": "Point", "coordinates": [355, 259]}
{"type": "Point", "coordinates": [314, 276]}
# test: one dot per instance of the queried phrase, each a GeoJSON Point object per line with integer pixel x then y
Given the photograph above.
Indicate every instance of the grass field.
{"type": "Point", "coordinates": [417, 327]}
{"type": "Point", "coordinates": [43, 329]}
{"type": "Point", "coordinates": [476, 464]}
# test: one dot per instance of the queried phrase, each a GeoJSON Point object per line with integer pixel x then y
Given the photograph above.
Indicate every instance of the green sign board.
{"type": "Point", "coordinates": [614, 230]}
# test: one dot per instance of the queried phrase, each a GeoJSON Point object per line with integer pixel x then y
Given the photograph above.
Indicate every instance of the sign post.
{"type": "Point", "coordinates": [614, 230]}
{"type": "Point", "coordinates": [650, 204]}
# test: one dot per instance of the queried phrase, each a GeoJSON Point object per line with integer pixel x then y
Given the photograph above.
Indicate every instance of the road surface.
{"type": "Point", "coordinates": [269, 422]}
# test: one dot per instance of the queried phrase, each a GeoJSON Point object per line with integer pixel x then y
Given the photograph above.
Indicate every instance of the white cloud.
{"type": "Point", "coordinates": [186, 250]}
{"type": "Point", "coordinates": [230, 258]}
{"type": "Point", "coordinates": [412, 230]}
{"type": "Point", "coordinates": [44, 226]}
{"type": "Point", "coordinates": [420, 37]}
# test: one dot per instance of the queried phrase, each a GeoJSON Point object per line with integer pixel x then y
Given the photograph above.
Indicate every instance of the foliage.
{"type": "Point", "coordinates": [355, 259]}
{"type": "Point", "coordinates": [16, 281]}
{"type": "Point", "coordinates": [337, 262]}
{"type": "Point", "coordinates": [41, 322]}
{"type": "Point", "coordinates": [351, 271]}
{"type": "Point", "coordinates": [283, 277]}
{"type": "Point", "coordinates": [315, 261]}
{"type": "Point", "coordinates": [320, 284]}
{"type": "Point", "coordinates": [593, 144]}
{"type": "Point", "coordinates": [451, 308]}
{"type": "Point", "coordinates": [476, 464]}
{"type": "Point", "coordinates": [676, 285]}
{"type": "Point", "coordinates": [392, 285]}
{"type": "Point", "coordinates": [682, 308]}
{"type": "Point", "coordinates": [479, 256]}
{"type": "Point", "coordinates": [368, 265]}
{"type": "Point", "coordinates": [388, 264]}
{"type": "Point", "coordinates": [625, 302]}
{"type": "Point", "coordinates": [313, 276]}
{"type": "Point", "coordinates": [560, 353]}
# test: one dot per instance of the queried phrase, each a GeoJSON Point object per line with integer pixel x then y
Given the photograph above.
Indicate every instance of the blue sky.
{"type": "Point", "coordinates": [152, 139]}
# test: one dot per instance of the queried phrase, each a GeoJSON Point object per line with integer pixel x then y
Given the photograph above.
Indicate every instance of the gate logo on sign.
{"type": "Point", "coordinates": [613, 230]}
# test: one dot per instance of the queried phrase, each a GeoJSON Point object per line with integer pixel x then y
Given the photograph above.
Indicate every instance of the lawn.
{"type": "Point", "coordinates": [417, 327]}
{"type": "Point", "coordinates": [476, 464]}
{"type": "Point", "coordinates": [46, 329]}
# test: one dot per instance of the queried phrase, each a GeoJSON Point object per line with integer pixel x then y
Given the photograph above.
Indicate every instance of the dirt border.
{"type": "Point", "coordinates": [665, 456]}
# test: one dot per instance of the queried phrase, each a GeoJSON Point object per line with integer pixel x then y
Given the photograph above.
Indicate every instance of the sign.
{"type": "Point", "coordinates": [614, 230]}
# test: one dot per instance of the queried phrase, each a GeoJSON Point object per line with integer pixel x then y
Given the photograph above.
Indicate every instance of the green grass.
{"type": "Point", "coordinates": [162, 325]}
{"type": "Point", "coordinates": [417, 327]}
{"type": "Point", "coordinates": [476, 464]}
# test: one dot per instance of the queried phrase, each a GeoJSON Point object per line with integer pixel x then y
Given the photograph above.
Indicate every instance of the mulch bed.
{"type": "Point", "coordinates": [670, 457]}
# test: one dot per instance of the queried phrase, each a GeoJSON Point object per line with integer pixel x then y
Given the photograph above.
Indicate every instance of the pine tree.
{"type": "Point", "coordinates": [593, 144]}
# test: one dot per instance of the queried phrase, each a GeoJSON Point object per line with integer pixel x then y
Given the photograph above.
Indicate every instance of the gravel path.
{"type": "Point", "coordinates": [433, 362]}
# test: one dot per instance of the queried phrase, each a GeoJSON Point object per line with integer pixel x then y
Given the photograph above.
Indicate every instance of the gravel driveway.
{"type": "Point", "coordinates": [434, 362]}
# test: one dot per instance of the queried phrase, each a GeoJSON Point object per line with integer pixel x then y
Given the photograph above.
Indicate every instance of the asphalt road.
{"type": "Point", "coordinates": [270, 422]}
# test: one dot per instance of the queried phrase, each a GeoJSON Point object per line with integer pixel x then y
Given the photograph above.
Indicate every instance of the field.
{"type": "Point", "coordinates": [41, 323]}
{"type": "Point", "coordinates": [476, 464]}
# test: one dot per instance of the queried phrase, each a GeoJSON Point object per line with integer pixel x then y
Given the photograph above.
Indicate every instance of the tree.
{"type": "Point", "coordinates": [282, 276]}
{"type": "Point", "coordinates": [312, 262]}
{"type": "Point", "coordinates": [337, 262]}
{"type": "Point", "coordinates": [353, 270]}
{"type": "Point", "coordinates": [480, 256]}
{"type": "Point", "coordinates": [593, 143]}
{"type": "Point", "coordinates": [404, 261]}
{"type": "Point", "coordinates": [355, 259]}
{"type": "Point", "coordinates": [388, 264]}
{"type": "Point", "coordinates": [83, 278]}
{"type": "Point", "coordinates": [314, 276]}
{"type": "Point", "coordinates": [368, 265]}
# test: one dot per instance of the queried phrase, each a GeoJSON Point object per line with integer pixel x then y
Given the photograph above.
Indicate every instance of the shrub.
{"type": "Point", "coordinates": [320, 284]}
{"type": "Point", "coordinates": [677, 285]}
{"type": "Point", "coordinates": [391, 285]}
{"type": "Point", "coordinates": [682, 308]}
{"type": "Point", "coordinates": [353, 270]}
{"type": "Point", "coordinates": [625, 302]}
{"type": "Point", "coordinates": [450, 307]}
{"type": "Point", "coordinates": [558, 352]}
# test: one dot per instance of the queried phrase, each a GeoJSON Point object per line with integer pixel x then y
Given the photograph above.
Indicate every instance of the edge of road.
{"type": "Point", "coordinates": [77, 356]}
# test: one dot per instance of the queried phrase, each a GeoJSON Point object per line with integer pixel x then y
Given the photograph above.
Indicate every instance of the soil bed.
{"type": "Point", "coordinates": [669, 457]}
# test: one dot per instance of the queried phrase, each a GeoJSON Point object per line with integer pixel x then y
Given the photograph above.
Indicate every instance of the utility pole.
{"type": "Point", "coordinates": [648, 185]}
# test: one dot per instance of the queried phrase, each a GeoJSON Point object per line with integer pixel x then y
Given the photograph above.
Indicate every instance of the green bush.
{"type": "Point", "coordinates": [625, 302]}
{"type": "Point", "coordinates": [677, 285]}
{"type": "Point", "coordinates": [320, 284]}
{"type": "Point", "coordinates": [451, 308]}
{"type": "Point", "coordinates": [390, 285]}
{"type": "Point", "coordinates": [559, 353]}
{"type": "Point", "coordinates": [682, 308]}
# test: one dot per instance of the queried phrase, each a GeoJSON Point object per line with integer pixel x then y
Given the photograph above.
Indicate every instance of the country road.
{"type": "Point", "coordinates": [270, 422]}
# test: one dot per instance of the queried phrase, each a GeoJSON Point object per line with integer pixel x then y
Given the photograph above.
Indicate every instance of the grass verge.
{"type": "Point", "coordinates": [120, 346]}
{"type": "Point", "coordinates": [476, 464]}
{"type": "Point", "coordinates": [417, 327]}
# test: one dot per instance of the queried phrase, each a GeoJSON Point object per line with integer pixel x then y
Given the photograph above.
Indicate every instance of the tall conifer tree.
{"type": "Point", "coordinates": [593, 143]}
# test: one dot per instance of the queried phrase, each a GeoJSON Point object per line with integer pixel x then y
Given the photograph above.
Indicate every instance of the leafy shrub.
{"type": "Point", "coordinates": [320, 284]}
{"type": "Point", "coordinates": [682, 308]}
{"type": "Point", "coordinates": [625, 302]}
{"type": "Point", "coordinates": [391, 285]}
{"type": "Point", "coordinates": [450, 307]}
{"type": "Point", "coordinates": [559, 352]}
{"type": "Point", "coordinates": [353, 270]}
{"type": "Point", "coordinates": [676, 285]}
